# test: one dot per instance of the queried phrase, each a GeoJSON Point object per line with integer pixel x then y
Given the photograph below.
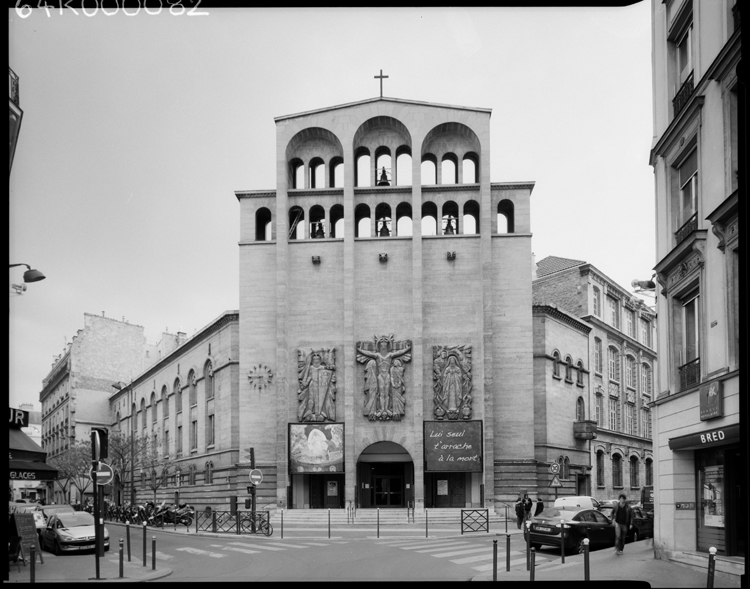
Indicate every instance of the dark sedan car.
{"type": "Point", "coordinates": [546, 529]}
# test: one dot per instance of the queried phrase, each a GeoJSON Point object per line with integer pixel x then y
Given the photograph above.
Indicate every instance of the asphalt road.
{"type": "Point", "coordinates": [234, 558]}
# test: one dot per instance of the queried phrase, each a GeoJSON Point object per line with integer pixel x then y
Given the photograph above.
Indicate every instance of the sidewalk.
{"type": "Point", "coordinates": [82, 569]}
{"type": "Point", "coordinates": [637, 563]}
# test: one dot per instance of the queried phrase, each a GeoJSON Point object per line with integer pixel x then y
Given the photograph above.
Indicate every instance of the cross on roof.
{"type": "Point", "coordinates": [381, 76]}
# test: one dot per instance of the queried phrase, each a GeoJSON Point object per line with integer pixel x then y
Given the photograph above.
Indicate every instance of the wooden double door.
{"type": "Point", "coordinates": [386, 484]}
{"type": "Point", "coordinates": [445, 489]}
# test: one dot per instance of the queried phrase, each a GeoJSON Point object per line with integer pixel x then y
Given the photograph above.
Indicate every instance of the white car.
{"type": "Point", "coordinates": [71, 532]}
{"type": "Point", "coordinates": [577, 502]}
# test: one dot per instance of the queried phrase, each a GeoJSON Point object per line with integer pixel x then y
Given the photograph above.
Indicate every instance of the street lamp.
{"type": "Point", "coordinates": [30, 275]}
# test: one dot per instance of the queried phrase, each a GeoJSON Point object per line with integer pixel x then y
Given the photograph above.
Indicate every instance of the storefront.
{"type": "Point", "coordinates": [720, 507]}
{"type": "Point", "coordinates": [26, 459]}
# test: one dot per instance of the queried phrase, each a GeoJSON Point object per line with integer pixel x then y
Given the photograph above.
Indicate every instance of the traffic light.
{"type": "Point", "coordinates": [103, 442]}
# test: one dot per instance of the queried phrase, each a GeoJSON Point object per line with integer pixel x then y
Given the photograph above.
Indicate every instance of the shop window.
{"type": "Point", "coordinates": [711, 502]}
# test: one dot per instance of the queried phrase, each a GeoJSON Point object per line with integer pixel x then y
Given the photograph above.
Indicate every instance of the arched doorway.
{"type": "Point", "coordinates": [385, 476]}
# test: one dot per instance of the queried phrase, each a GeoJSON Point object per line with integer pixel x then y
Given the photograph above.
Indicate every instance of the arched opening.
{"type": "Point", "coordinates": [616, 470]}
{"type": "Point", "coordinates": [403, 219]}
{"type": "Point", "coordinates": [317, 172]}
{"type": "Point", "coordinates": [556, 364]}
{"type": "Point", "coordinates": [362, 168]}
{"type": "Point", "coordinates": [449, 220]}
{"type": "Point", "coordinates": [153, 409]}
{"type": "Point", "coordinates": [317, 222]}
{"type": "Point", "coordinates": [296, 223]}
{"type": "Point", "coordinates": [580, 409]}
{"type": "Point", "coordinates": [634, 478]}
{"type": "Point", "coordinates": [429, 170]}
{"type": "Point", "coordinates": [297, 173]}
{"type": "Point", "coordinates": [403, 166]}
{"type": "Point", "coordinates": [449, 169]}
{"type": "Point", "coordinates": [337, 221]}
{"type": "Point", "coordinates": [362, 220]}
{"type": "Point", "coordinates": [470, 168]}
{"type": "Point", "coordinates": [568, 369]}
{"type": "Point", "coordinates": [471, 218]}
{"type": "Point", "coordinates": [429, 218]}
{"type": "Point", "coordinates": [385, 476]}
{"type": "Point", "coordinates": [263, 224]}
{"type": "Point", "coordinates": [505, 216]}
{"type": "Point", "coordinates": [383, 223]}
{"type": "Point", "coordinates": [336, 172]}
{"type": "Point", "coordinates": [383, 168]}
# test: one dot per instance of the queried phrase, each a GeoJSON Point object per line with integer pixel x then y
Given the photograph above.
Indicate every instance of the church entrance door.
{"type": "Point", "coordinates": [385, 476]}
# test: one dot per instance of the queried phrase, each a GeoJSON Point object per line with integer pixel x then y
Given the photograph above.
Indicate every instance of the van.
{"type": "Point", "coordinates": [577, 502]}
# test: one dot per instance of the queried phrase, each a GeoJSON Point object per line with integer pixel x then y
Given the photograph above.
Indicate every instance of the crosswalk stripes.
{"type": "Point", "coordinates": [427, 545]}
{"type": "Point", "coordinates": [285, 545]}
{"type": "Point", "coordinates": [258, 545]}
{"type": "Point", "coordinates": [201, 552]}
{"type": "Point", "coordinates": [445, 547]}
{"type": "Point", "coordinates": [456, 553]}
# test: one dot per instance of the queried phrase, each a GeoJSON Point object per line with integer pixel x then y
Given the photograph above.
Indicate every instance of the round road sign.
{"type": "Point", "coordinates": [256, 477]}
{"type": "Point", "coordinates": [104, 476]}
{"type": "Point", "coordinates": [554, 468]}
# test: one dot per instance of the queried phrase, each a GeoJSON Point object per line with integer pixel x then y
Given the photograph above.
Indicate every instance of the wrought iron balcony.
{"type": "Point", "coordinates": [614, 389]}
{"type": "Point", "coordinates": [682, 97]}
{"type": "Point", "coordinates": [584, 430]}
{"type": "Point", "coordinates": [690, 374]}
{"type": "Point", "coordinates": [13, 86]}
{"type": "Point", "coordinates": [690, 226]}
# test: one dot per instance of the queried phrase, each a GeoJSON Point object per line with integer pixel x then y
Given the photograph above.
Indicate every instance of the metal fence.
{"type": "Point", "coordinates": [475, 520]}
{"type": "Point", "coordinates": [243, 522]}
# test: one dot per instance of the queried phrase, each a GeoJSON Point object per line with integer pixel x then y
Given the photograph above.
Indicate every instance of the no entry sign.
{"type": "Point", "coordinates": [256, 477]}
{"type": "Point", "coordinates": [104, 476]}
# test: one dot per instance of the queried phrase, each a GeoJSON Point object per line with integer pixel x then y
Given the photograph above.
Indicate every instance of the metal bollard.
{"type": "Point", "coordinates": [711, 566]}
{"type": "Point", "coordinates": [127, 531]}
{"type": "Point", "coordinates": [494, 560]}
{"type": "Point", "coordinates": [153, 553]}
{"type": "Point", "coordinates": [507, 553]}
{"type": "Point", "coordinates": [329, 523]}
{"type": "Point", "coordinates": [528, 545]}
{"type": "Point", "coordinates": [506, 519]}
{"type": "Point", "coordinates": [562, 542]}
{"type": "Point", "coordinates": [144, 543]}
{"type": "Point", "coordinates": [237, 522]}
{"type": "Point", "coordinates": [32, 570]}
{"type": "Point", "coordinates": [533, 565]}
{"type": "Point", "coordinates": [378, 522]}
{"type": "Point", "coordinates": [213, 522]}
{"type": "Point", "coordinates": [586, 576]}
{"type": "Point", "coordinates": [426, 524]}
{"type": "Point", "coordinates": [122, 565]}
{"type": "Point", "coordinates": [282, 523]}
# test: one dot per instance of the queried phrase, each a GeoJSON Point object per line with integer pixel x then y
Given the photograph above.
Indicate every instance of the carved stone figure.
{"type": "Point", "coordinates": [384, 389]}
{"type": "Point", "coordinates": [317, 385]}
{"type": "Point", "coordinates": [451, 371]}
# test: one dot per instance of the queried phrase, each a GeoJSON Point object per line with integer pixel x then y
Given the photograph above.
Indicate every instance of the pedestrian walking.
{"type": "Point", "coordinates": [539, 506]}
{"type": "Point", "coordinates": [622, 517]}
{"type": "Point", "coordinates": [519, 512]}
{"type": "Point", "coordinates": [527, 504]}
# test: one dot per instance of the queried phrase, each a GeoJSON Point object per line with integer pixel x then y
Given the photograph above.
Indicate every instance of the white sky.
{"type": "Point", "coordinates": [137, 131]}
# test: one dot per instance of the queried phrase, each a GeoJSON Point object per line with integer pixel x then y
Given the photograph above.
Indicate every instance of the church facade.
{"type": "Point", "coordinates": [385, 321]}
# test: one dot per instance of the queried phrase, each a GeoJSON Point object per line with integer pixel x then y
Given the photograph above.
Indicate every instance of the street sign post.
{"type": "Point", "coordinates": [555, 483]}
{"type": "Point", "coordinates": [256, 477]}
{"type": "Point", "coordinates": [554, 468]}
{"type": "Point", "coordinates": [104, 474]}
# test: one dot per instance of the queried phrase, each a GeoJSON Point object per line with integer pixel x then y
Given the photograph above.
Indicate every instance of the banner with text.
{"type": "Point", "coordinates": [453, 446]}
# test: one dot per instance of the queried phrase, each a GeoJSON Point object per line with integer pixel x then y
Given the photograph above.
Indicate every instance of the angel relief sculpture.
{"type": "Point", "coordinates": [451, 371]}
{"type": "Point", "coordinates": [317, 385]}
{"type": "Point", "coordinates": [384, 389]}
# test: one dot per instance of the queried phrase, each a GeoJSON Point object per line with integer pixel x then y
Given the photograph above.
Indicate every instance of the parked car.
{"type": "Point", "coordinates": [577, 502]}
{"type": "Point", "coordinates": [71, 532]}
{"type": "Point", "coordinates": [643, 523]}
{"type": "Point", "coordinates": [582, 523]}
{"type": "Point", "coordinates": [49, 510]}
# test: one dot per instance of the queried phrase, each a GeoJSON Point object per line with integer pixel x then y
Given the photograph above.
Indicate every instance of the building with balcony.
{"type": "Point", "coordinates": [698, 102]}
{"type": "Point", "coordinates": [595, 360]}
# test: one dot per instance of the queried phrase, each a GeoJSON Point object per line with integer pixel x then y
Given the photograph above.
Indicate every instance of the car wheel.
{"type": "Point", "coordinates": [536, 546]}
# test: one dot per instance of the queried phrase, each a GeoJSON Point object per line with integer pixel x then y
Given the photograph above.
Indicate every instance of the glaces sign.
{"type": "Point", "coordinates": [453, 446]}
{"type": "Point", "coordinates": [18, 418]}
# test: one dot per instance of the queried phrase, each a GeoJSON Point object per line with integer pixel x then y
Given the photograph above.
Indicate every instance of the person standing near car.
{"type": "Point", "coordinates": [539, 506]}
{"type": "Point", "coordinates": [519, 512]}
{"type": "Point", "coordinates": [622, 517]}
{"type": "Point", "coordinates": [527, 504]}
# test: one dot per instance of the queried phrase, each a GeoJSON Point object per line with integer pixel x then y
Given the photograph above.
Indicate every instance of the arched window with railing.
{"type": "Point", "coordinates": [361, 220]}
{"type": "Point", "coordinates": [471, 217]}
{"type": "Point", "coordinates": [404, 222]}
{"type": "Point", "coordinates": [429, 218]}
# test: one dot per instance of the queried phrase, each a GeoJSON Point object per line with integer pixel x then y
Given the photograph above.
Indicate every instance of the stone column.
{"type": "Point", "coordinates": [349, 364]}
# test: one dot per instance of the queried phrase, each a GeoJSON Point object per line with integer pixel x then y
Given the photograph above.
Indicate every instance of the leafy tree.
{"type": "Point", "coordinates": [125, 449]}
{"type": "Point", "coordinates": [153, 463]}
{"type": "Point", "coordinates": [73, 466]}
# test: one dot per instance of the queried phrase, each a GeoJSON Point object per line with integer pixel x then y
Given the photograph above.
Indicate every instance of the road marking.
{"type": "Point", "coordinates": [459, 552]}
{"type": "Point", "coordinates": [162, 556]}
{"type": "Point", "coordinates": [488, 567]}
{"type": "Point", "coordinates": [469, 559]}
{"type": "Point", "coordinates": [450, 546]}
{"type": "Point", "coordinates": [199, 551]}
{"type": "Point", "coordinates": [315, 543]}
{"type": "Point", "coordinates": [245, 545]}
{"type": "Point", "coordinates": [285, 545]}
{"type": "Point", "coordinates": [427, 545]}
{"type": "Point", "coordinates": [243, 550]}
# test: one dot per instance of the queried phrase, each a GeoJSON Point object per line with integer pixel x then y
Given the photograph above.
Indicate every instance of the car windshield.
{"type": "Point", "coordinates": [75, 519]}
{"type": "Point", "coordinates": [554, 512]}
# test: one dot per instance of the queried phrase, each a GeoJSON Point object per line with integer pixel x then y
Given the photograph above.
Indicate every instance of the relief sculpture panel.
{"type": "Point", "coordinates": [451, 372]}
{"type": "Point", "coordinates": [317, 385]}
{"type": "Point", "coordinates": [384, 388]}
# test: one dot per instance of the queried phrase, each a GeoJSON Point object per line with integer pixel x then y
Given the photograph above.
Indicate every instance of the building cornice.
{"type": "Point", "coordinates": [666, 396]}
{"type": "Point", "coordinates": [240, 194]}
{"type": "Point", "coordinates": [682, 260]}
{"type": "Point", "coordinates": [677, 127]}
{"type": "Point", "coordinates": [316, 192]}
{"type": "Point", "coordinates": [512, 185]}
{"type": "Point", "coordinates": [562, 316]}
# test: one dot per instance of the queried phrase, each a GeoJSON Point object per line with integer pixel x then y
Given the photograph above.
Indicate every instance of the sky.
{"type": "Point", "coordinates": [138, 130]}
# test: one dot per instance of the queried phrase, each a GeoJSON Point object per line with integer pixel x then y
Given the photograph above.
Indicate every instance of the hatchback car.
{"type": "Point", "coordinates": [71, 532]}
{"type": "Point", "coordinates": [546, 529]}
{"type": "Point", "coordinates": [50, 510]}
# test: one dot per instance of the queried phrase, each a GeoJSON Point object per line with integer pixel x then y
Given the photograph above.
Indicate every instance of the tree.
{"type": "Point", "coordinates": [153, 463]}
{"type": "Point", "coordinates": [124, 452]}
{"type": "Point", "coordinates": [73, 466]}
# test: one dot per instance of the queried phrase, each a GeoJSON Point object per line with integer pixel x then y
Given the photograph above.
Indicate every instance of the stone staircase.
{"type": "Point", "coordinates": [388, 517]}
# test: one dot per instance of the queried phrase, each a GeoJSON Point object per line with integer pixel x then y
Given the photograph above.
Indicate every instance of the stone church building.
{"type": "Point", "coordinates": [385, 321]}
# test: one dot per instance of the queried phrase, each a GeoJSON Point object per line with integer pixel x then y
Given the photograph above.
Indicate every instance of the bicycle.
{"type": "Point", "coordinates": [262, 526]}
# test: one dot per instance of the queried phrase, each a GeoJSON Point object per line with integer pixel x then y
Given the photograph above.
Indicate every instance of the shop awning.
{"type": "Point", "coordinates": [27, 470]}
{"type": "Point", "coordinates": [720, 436]}
{"type": "Point", "coordinates": [22, 447]}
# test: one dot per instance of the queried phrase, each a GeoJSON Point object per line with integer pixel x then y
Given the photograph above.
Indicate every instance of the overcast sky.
{"type": "Point", "coordinates": [137, 131]}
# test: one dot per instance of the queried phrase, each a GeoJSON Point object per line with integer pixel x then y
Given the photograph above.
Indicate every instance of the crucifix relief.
{"type": "Point", "coordinates": [381, 76]}
{"type": "Point", "coordinates": [384, 388]}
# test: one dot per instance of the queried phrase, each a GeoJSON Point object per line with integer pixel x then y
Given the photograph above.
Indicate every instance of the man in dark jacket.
{"type": "Point", "coordinates": [539, 506]}
{"type": "Point", "coordinates": [527, 503]}
{"type": "Point", "coordinates": [622, 517]}
{"type": "Point", "coordinates": [519, 512]}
